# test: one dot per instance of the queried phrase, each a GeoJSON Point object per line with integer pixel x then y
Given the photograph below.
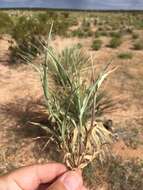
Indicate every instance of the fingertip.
{"type": "Point", "coordinates": [72, 180]}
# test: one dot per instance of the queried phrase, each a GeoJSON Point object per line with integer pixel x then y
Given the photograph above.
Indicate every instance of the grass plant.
{"type": "Point", "coordinates": [138, 45]}
{"type": "Point", "coordinates": [96, 45]}
{"type": "Point", "coordinates": [115, 42]}
{"type": "Point", "coordinates": [125, 55]}
{"type": "Point", "coordinates": [72, 105]}
{"type": "Point", "coordinates": [135, 35]}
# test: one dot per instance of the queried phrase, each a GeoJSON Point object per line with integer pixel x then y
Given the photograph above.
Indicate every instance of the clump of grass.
{"type": "Point", "coordinates": [138, 45]}
{"type": "Point", "coordinates": [115, 34]}
{"type": "Point", "coordinates": [82, 32]}
{"type": "Point", "coordinates": [115, 42]}
{"type": "Point", "coordinates": [135, 35]}
{"type": "Point", "coordinates": [84, 29]}
{"type": "Point", "coordinates": [97, 44]}
{"type": "Point", "coordinates": [70, 108]}
{"type": "Point", "coordinates": [125, 55]}
{"type": "Point", "coordinates": [73, 104]}
{"type": "Point", "coordinates": [78, 32]}
{"type": "Point", "coordinates": [99, 33]}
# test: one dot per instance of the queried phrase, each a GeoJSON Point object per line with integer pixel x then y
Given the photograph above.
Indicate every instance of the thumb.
{"type": "Point", "coordinates": [71, 180]}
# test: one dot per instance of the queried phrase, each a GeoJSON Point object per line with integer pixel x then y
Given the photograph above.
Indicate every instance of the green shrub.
{"type": "Point", "coordinates": [6, 23]}
{"type": "Point", "coordinates": [104, 33]}
{"type": "Point", "coordinates": [78, 33]}
{"type": "Point", "coordinates": [125, 55]}
{"type": "Point", "coordinates": [115, 42]}
{"type": "Point", "coordinates": [101, 33]}
{"type": "Point", "coordinates": [96, 45]}
{"type": "Point", "coordinates": [138, 45]}
{"type": "Point", "coordinates": [97, 34]}
{"type": "Point", "coordinates": [32, 47]}
{"type": "Point", "coordinates": [116, 34]}
{"type": "Point", "coordinates": [139, 23]}
{"type": "Point", "coordinates": [82, 33]}
{"type": "Point", "coordinates": [27, 34]}
{"type": "Point", "coordinates": [62, 21]}
{"type": "Point", "coordinates": [135, 35]}
{"type": "Point", "coordinates": [29, 29]}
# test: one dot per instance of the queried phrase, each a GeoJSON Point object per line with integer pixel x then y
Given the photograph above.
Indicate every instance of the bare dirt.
{"type": "Point", "coordinates": [20, 85]}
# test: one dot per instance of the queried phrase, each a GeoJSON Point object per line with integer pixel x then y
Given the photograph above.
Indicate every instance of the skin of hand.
{"type": "Point", "coordinates": [51, 176]}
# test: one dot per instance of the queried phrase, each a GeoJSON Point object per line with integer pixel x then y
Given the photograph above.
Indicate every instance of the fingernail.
{"type": "Point", "coordinates": [72, 180]}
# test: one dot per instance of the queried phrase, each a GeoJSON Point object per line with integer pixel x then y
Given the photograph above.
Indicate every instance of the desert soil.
{"type": "Point", "coordinates": [20, 86]}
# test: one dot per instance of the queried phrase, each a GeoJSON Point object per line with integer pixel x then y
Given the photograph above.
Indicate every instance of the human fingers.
{"type": "Point", "coordinates": [29, 178]}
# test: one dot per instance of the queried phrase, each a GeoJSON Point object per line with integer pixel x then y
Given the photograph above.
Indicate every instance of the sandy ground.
{"type": "Point", "coordinates": [20, 87]}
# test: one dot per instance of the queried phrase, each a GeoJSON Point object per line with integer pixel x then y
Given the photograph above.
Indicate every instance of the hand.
{"type": "Point", "coordinates": [52, 176]}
